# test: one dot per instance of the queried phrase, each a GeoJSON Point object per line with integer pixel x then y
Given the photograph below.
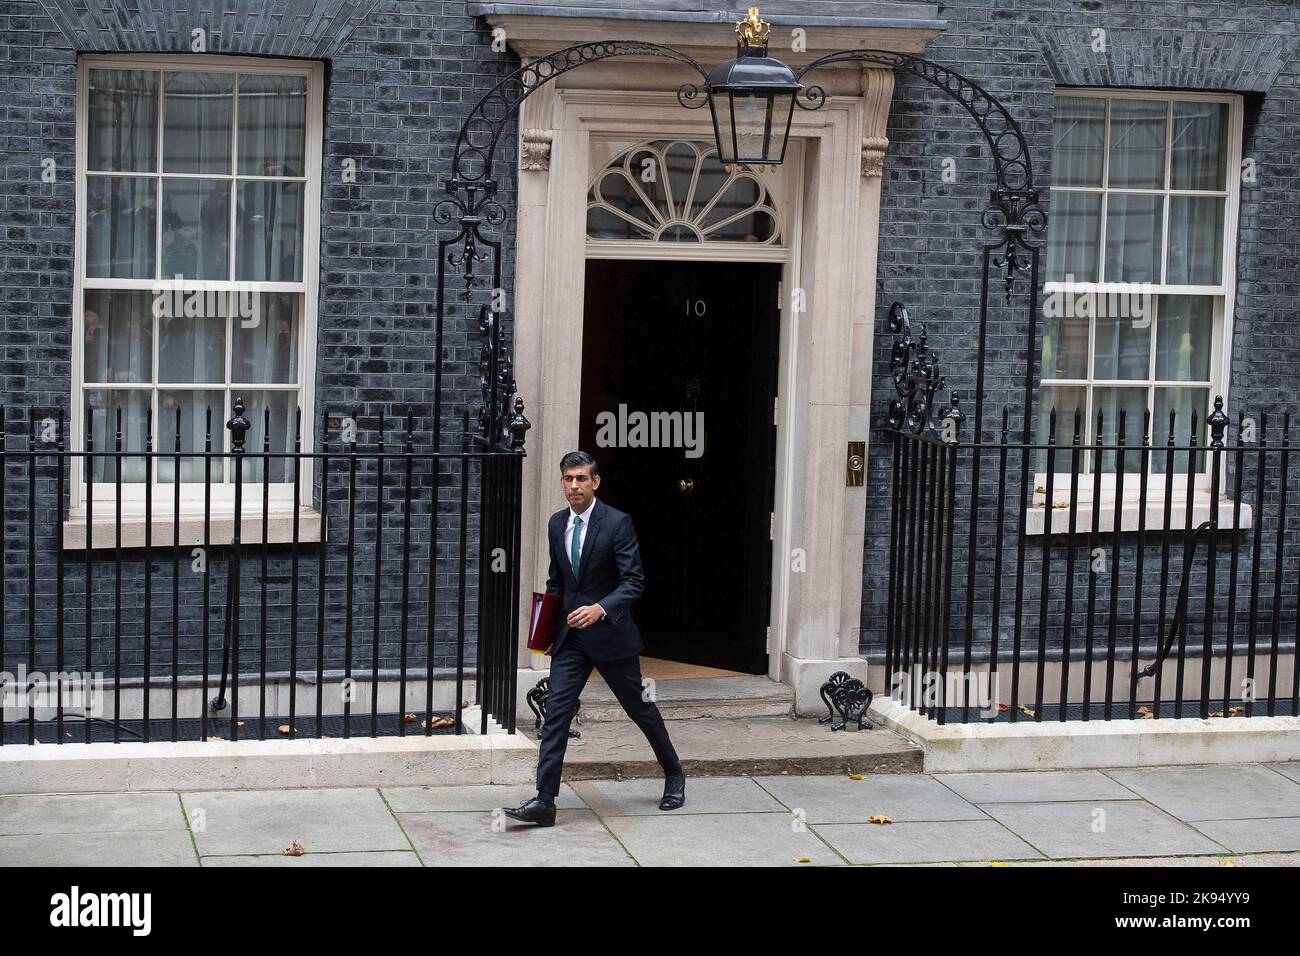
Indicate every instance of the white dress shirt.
{"type": "Point", "coordinates": [568, 530]}
{"type": "Point", "coordinates": [582, 537]}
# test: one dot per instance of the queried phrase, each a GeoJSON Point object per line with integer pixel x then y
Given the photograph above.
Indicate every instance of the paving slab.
{"type": "Point", "coordinates": [475, 797]}
{"type": "Point", "coordinates": [487, 839]}
{"type": "Point", "coordinates": [1215, 793]}
{"type": "Point", "coordinates": [620, 798]}
{"type": "Point", "coordinates": [925, 842]}
{"type": "Point", "coordinates": [736, 747]}
{"type": "Point", "coordinates": [117, 849]}
{"type": "Point", "coordinates": [844, 800]}
{"type": "Point", "coordinates": [1253, 836]}
{"type": "Point", "coordinates": [312, 860]}
{"type": "Point", "coordinates": [1127, 828]}
{"type": "Point", "coordinates": [1035, 786]}
{"type": "Point", "coordinates": [266, 821]}
{"type": "Point", "coordinates": [731, 839]}
{"type": "Point", "coordinates": [1241, 859]}
{"type": "Point", "coordinates": [1291, 770]}
{"type": "Point", "coordinates": [89, 813]}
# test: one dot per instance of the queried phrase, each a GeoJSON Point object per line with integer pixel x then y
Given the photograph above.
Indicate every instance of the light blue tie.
{"type": "Point", "coordinates": [575, 547]}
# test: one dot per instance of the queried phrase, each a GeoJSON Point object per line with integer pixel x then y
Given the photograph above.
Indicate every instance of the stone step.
{"type": "Point", "coordinates": [713, 746]}
{"type": "Point", "coordinates": [691, 698]}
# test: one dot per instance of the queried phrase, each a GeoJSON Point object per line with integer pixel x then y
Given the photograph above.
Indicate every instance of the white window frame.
{"type": "Point", "coordinates": [192, 493]}
{"type": "Point", "coordinates": [1221, 335]}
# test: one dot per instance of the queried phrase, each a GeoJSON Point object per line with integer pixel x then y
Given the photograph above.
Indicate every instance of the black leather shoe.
{"type": "Point", "coordinates": [674, 792]}
{"type": "Point", "coordinates": [533, 810]}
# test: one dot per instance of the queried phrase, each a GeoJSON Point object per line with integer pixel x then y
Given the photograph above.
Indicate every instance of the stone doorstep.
{"type": "Point", "coordinates": [690, 698]}
{"type": "Point", "coordinates": [442, 760]}
{"type": "Point", "coordinates": [1076, 745]}
{"type": "Point", "coordinates": [718, 747]}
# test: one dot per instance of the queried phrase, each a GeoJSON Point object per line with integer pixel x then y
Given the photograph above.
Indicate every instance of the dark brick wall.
{"type": "Point", "coordinates": [400, 78]}
{"type": "Point", "coordinates": [1021, 50]}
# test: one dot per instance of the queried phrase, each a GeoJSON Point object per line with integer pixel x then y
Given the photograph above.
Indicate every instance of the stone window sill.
{"type": "Point", "coordinates": [1130, 512]}
{"type": "Point", "coordinates": [103, 533]}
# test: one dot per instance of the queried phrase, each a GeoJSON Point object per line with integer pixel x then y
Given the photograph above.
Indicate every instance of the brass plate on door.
{"type": "Point", "coordinates": [855, 466]}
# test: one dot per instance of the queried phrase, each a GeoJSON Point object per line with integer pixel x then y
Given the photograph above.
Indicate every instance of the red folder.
{"type": "Point", "coordinates": [545, 620]}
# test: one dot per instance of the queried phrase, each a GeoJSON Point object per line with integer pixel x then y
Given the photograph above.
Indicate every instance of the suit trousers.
{"type": "Point", "coordinates": [569, 672]}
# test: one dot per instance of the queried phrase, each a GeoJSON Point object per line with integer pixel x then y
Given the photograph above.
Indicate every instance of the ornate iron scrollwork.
{"type": "Point", "coordinates": [536, 699]}
{"type": "Point", "coordinates": [1014, 211]}
{"type": "Point", "coordinates": [847, 700]}
{"type": "Point", "coordinates": [915, 368]}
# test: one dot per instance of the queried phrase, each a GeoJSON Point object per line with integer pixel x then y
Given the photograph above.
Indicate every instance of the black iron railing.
{"type": "Point", "coordinates": [1092, 573]}
{"type": "Point", "coordinates": [364, 588]}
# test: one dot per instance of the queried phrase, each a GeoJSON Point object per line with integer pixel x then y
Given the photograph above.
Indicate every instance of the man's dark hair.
{"type": "Point", "coordinates": [576, 459]}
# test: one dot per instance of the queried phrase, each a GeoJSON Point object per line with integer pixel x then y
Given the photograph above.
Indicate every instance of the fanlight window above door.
{"type": "Point", "coordinates": [677, 191]}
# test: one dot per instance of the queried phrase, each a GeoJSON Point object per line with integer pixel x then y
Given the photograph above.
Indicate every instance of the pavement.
{"type": "Point", "coordinates": [1175, 816]}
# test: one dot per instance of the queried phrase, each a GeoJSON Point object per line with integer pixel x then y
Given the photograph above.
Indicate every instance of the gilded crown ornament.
{"type": "Point", "coordinates": [753, 31]}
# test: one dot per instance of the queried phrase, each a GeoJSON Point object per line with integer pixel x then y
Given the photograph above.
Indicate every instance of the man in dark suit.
{"type": "Point", "coordinates": [596, 570]}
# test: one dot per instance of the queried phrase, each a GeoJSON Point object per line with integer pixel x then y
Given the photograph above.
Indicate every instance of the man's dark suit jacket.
{"type": "Point", "coordinates": [609, 574]}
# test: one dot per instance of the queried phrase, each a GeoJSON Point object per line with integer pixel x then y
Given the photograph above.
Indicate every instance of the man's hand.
{"type": "Point", "coordinates": [585, 616]}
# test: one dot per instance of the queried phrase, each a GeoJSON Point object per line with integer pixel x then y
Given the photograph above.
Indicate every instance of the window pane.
{"type": "Point", "coordinates": [272, 125]}
{"type": "Point", "coordinates": [681, 168]}
{"type": "Point", "coordinates": [645, 167]}
{"type": "Point", "coordinates": [1195, 240]}
{"type": "Point", "coordinates": [120, 222]}
{"type": "Point", "coordinates": [1123, 344]}
{"type": "Point", "coordinates": [1073, 236]}
{"type": "Point", "coordinates": [1137, 144]}
{"type": "Point", "coordinates": [1183, 402]}
{"type": "Point", "coordinates": [283, 407]}
{"type": "Point", "coordinates": [193, 406]}
{"type": "Point", "coordinates": [1078, 135]}
{"type": "Point", "coordinates": [1065, 337]}
{"type": "Point", "coordinates": [1065, 399]}
{"type": "Point", "coordinates": [1110, 402]}
{"type": "Point", "coordinates": [270, 240]}
{"type": "Point", "coordinates": [192, 348]}
{"type": "Point", "coordinates": [196, 228]}
{"type": "Point", "coordinates": [118, 342]}
{"type": "Point", "coordinates": [266, 346]}
{"type": "Point", "coordinates": [1200, 146]}
{"type": "Point", "coordinates": [196, 125]}
{"type": "Point", "coordinates": [122, 112]}
{"type": "Point", "coordinates": [1133, 229]}
{"type": "Point", "coordinates": [104, 405]}
{"type": "Point", "coordinates": [1184, 325]}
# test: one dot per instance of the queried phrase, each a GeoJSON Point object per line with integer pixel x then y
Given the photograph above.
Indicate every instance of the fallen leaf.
{"type": "Point", "coordinates": [996, 863]}
{"type": "Point", "coordinates": [1227, 863]}
{"type": "Point", "coordinates": [855, 776]}
{"type": "Point", "coordinates": [1234, 710]}
{"type": "Point", "coordinates": [1040, 490]}
{"type": "Point", "coordinates": [1060, 504]}
{"type": "Point", "coordinates": [408, 717]}
{"type": "Point", "coordinates": [443, 721]}
{"type": "Point", "coordinates": [214, 737]}
{"type": "Point", "coordinates": [285, 729]}
{"type": "Point", "coordinates": [1216, 713]}
{"type": "Point", "coordinates": [803, 859]}
{"type": "Point", "coordinates": [1028, 712]}
{"type": "Point", "coordinates": [879, 818]}
{"type": "Point", "coordinates": [1144, 710]}
{"type": "Point", "coordinates": [294, 849]}
{"type": "Point", "coordinates": [1003, 708]}
{"type": "Point", "coordinates": [240, 723]}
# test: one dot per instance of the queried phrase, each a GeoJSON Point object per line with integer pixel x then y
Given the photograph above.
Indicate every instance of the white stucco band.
{"type": "Point", "coordinates": [825, 350]}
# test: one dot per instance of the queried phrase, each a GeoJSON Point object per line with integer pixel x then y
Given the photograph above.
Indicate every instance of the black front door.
{"type": "Point", "coordinates": [679, 367]}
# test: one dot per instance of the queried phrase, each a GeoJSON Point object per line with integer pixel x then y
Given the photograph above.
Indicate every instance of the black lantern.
{"type": "Point", "coordinates": [751, 98]}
